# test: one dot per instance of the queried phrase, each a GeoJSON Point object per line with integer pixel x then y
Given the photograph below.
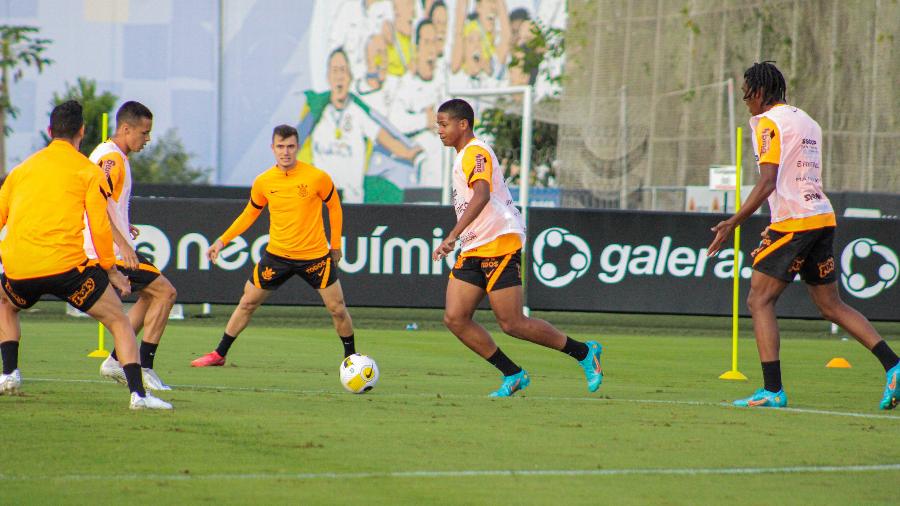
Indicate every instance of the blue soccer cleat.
{"type": "Point", "coordinates": [891, 388]}
{"type": "Point", "coordinates": [591, 365]}
{"type": "Point", "coordinates": [763, 398]}
{"type": "Point", "coordinates": [512, 384]}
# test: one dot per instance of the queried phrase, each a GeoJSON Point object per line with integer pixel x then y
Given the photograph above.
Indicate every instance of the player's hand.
{"type": "Point", "coordinates": [764, 233]}
{"type": "Point", "coordinates": [336, 256]}
{"type": "Point", "coordinates": [213, 252]}
{"type": "Point", "coordinates": [129, 257]}
{"type": "Point", "coordinates": [723, 229]}
{"type": "Point", "coordinates": [134, 231]}
{"type": "Point", "coordinates": [446, 247]}
{"type": "Point", "coordinates": [119, 282]}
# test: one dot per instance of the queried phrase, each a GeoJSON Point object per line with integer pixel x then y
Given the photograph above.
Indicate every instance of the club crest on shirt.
{"type": "Point", "coordinates": [303, 191]}
{"type": "Point", "coordinates": [479, 163]}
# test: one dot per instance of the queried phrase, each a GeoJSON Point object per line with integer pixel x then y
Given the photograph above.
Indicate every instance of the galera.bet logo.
{"type": "Point", "coordinates": [858, 284]}
{"type": "Point", "coordinates": [549, 273]}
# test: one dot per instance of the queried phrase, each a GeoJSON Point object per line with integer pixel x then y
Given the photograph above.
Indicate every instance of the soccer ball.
{"type": "Point", "coordinates": [359, 373]}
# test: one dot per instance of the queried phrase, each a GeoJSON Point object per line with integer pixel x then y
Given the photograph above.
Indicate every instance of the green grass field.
{"type": "Point", "coordinates": [275, 426]}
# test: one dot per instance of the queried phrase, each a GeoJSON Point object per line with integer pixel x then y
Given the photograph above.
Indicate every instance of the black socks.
{"type": "Point", "coordinates": [10, 352]}
{"type": "Point", "coordinates": [502, 362]}
{"type": "Point", "coordinates": [772, 375]}
{"type": "Point", "coordinates": [575, 349]}
{"type": "Point", "coordinates": [148, 353]}
{"type": "Point", "coordinates": [882, 351]}
{"type": "Point", "coordinates": [225, 344]}
{"type": "Point", "coordinates": [349, 345]}
{"type": "Point", "coordinates": [134, 379]}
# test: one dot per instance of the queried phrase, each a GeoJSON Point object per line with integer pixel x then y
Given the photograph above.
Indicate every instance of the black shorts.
{"type": "Point", "coordinates": [490, 273]}
{"type": "Point", "coordinates": [145, 273]}
{"type": "Point", "coordinates": [81, 287]}
{"type": "Point", "coordinates": [810, 253]}
{"type": "Point", "coordinates": [272, 271]}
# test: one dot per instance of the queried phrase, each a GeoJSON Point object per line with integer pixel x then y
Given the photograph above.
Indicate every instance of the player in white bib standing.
{"type": "Point", "coordinates": [491, 233]}
{"type": "Point", "coordinates": [156, 294]}
{"type": "Point", "coordinates": [788, 146]}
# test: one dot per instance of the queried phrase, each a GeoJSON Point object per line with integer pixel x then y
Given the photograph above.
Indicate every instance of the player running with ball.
{"type": "Point", "coordinates": [491, 233]}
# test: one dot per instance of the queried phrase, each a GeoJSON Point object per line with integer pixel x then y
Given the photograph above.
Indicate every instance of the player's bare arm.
{"type": "Point", "coordinates": [134, 231]}
{"type": "Point", "coordinates": [768, 173]}
{"type": "Point", "coordinates": [129, 256]}
{"type": "Point", "coordinates": [213, 252]}
{"type": "Point", "coordinates": [480, 199]}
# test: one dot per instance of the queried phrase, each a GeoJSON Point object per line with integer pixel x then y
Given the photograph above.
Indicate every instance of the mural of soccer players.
{"type": "Point", "coordinates": [400, 52]}
{"type": "Point", "coordinates": [402, 58]}
{"type": "Point", "coordinates": [337, 128]}
{"type": "Point", "coordinates": [416, 97]}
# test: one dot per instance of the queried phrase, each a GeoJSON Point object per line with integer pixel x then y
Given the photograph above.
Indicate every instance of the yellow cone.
{"type": "Point", "coordinates": [838, 363]}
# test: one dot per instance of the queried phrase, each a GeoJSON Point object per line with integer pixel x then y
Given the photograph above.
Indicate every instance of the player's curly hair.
{"type": "Point", "coordinates": [765, 76]}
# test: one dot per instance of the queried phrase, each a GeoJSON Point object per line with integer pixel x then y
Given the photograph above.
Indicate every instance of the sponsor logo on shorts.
{"type": "Point", "coordinates": [826, 267]}
{"type": "Point", "coordinates": [86, 289]}
{"type": "Point", "coordinates": [797, 264]}
{"type": "Point", "coordinates": [18, 300]}
{"type": "Point", "coordinates": [268, 273]}
{"type": "Point", "coordinates": [316, 267]}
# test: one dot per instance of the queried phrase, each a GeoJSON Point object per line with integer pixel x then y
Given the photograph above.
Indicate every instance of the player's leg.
{"type": "Point", "coordinates": [333, 297]}
{"type": "Point", "coordinates": [462, 299]}
{"type": "Point", "coordinates": [820, 274]}
{"type": "Point", "coordinates": [250, 301]}
{"type": "Point", "coordinates": [107, 309]}
{"type": "Point", "coordinates": [10, 334]}
{"type": "Point", "coordinates": [507, 306]}
{"type": "Point", "coordinates": [159, 296]}
{"type": "Point", "coordinates": [775, 263]}
{"type": "Point", "coordinates": [150, 313]}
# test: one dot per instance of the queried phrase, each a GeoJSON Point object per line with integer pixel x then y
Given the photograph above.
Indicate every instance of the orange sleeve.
{"type": "Point", "coordinates": [113, 166]}
{"type": "Point", "coordinates": [768, 141]}
{"type": "Point", "coordinates": [251, 213]}
{"type": "Point", "coordinates": [328, 193]}
{"type": "Point", "coordinates": [477, 164]}
{"type": "Point", "coordinates": [95, 206]}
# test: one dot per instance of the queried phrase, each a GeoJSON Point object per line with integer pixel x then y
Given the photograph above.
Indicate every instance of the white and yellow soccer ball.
{"type": "Point", "coordinates": [359, 373]}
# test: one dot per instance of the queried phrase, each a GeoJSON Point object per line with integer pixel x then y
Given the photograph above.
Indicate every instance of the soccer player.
{"type": "Point", "coordinates": [157, 295]}
{"type": "Point", "coordinates": [43, 203]}
{"type": "Point", "coordinates": [294, 192]}
{"type": "Point", "coordinates": [491, 233]}
{"type": "Point", "coordinates": [799, 240]}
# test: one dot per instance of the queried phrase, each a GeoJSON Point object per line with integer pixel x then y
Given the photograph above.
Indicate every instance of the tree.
{"type": "Point", "coordinates": [85, 92]}
{"type": "Point", "coordinates": [166, 161]}
{"type": "Point", "coordinates": [19, 48]}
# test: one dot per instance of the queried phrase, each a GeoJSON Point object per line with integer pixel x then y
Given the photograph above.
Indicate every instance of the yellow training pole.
{"type": "Point", "coordinates": [734, 374]}
{"type": "Point", "coordinates": [101, 352]}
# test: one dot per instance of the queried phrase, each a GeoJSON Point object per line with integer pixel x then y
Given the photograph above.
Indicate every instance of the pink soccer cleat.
{"type": "Point", "coordinates": [210, 359]}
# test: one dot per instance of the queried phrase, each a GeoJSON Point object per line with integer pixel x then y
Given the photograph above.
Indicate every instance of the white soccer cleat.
{"type": "Point", "coordinates": [112, 369]}
{"type": "Point", "coordinates": [147, 402]}
{"type": "Point", "coordinates": [10, 383]}
{"type": "Point", "coordinates": [152, 380]}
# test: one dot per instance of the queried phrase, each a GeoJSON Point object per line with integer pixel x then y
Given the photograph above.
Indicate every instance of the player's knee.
{"type": "Point", "coordinates": [454, 322]}
{"type": "Point", "coordinates": [248, 306]}
{"type": "Point", "coordinates": [757, 301]}
{"type": "Point", "coordinates": [831, 310]}
{"type": "Point", "coordinates": [512, 326]}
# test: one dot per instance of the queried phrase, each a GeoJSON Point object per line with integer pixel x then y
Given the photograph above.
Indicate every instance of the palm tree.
{"type": "Point", "coordinates": [19, 48]}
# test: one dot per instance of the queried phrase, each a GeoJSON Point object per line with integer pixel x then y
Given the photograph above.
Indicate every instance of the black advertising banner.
{"type": "Point", "coordinates": [387, 252]}
{"type": "Point", "coordinates": [646, 262]}
{"type": "Point", "coordinates": [577, 260]}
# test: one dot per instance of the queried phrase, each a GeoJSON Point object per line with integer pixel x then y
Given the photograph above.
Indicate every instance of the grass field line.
{"type": "Point", "coordinates": [461, 396]}
{"type": "Point", "coordinates": [473, 473]}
